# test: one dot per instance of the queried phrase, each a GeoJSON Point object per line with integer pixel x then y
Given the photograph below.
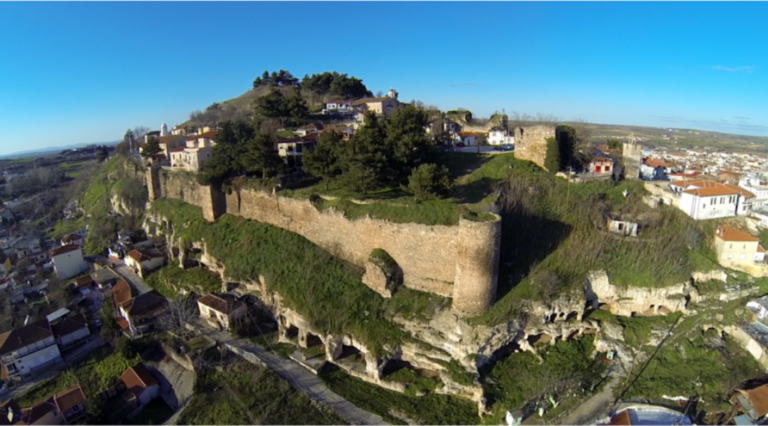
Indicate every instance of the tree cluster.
{"type": "Point", "coordinates": [383, 153]}
{"type": "Point", "coordinates": [336, 84]}
{"type": "Point", "coordinates": [289, 110]}
{"type": "Point", "coordinates": [241, 151]}
{"type": "Point", "coordinates": [276, 79]}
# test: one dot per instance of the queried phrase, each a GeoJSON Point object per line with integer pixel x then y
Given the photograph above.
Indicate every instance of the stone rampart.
{"type": "Point", "coordinates": [531, 143]}
{"type": "Point", "coordinates": [452, 261]}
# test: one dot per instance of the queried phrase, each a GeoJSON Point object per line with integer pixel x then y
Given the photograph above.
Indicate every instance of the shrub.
{"type": "Point", "coordinates": [429, 181]}
{"type": "Point", "coordinates": [552, 160]}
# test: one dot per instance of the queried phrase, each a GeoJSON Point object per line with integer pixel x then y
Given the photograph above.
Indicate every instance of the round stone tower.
{"type": "Point", "coordinates": [164, 130]}
{"type": "Point", "coordinates": [477, 265]}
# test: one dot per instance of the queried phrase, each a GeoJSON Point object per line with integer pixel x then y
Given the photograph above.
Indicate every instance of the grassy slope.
{"type": "Point", "coordinates": [167, 280]}
{"type": "Point", "coordinates": [244, 393]}
{"type": "Point", "coordinates": [551, 240]}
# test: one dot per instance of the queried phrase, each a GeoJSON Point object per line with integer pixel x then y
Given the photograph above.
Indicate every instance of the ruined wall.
{"type": "Point", "coordinates": [477, 260]}
{"type": "Point", "coordinates": [531, 143]}
{"type": "Point", "coordinates": [182, 186]}
{"type": "Point", "coordinates": [632, 154]}
{"type": "Point", "coordinates": [432, 258]}
{"type": "Point", "coordinates": [426, 254]}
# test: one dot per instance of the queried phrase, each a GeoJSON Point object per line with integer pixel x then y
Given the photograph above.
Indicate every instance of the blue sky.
{"type": "Point", "coordinates": [86, 72]}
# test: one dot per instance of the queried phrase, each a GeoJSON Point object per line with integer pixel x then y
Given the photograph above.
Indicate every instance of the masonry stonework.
{"type": "Point", "coordinates": [632, 154]}
{"type": "Point", "coordinates": [531, 143]}
{"type": "Point", "coordinates": [451, 261]}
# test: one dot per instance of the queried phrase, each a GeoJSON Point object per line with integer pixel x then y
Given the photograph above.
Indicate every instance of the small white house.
{"type": "Point", "coordinates": [500, 136]}
{"type": "Point", "coordinates": [706, 199]}
{"type": "Point", "coordinates": [759, 306]}
{"type": "Point", "coordinates": [68, 261]}
{"type": "Point", "coordinates": [143, 261]}
{"type": "Point", "coordinates": [28, 349]}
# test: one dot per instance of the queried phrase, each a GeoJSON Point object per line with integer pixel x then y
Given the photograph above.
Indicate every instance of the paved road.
{"type": "Point", "coordinates": [595, 407]}
{"type": "Point", "coordinates": [297, 376]}
{"type": "Point", "coordinates": [134, 280]}
{"type": "Point", "coordinates": [70, 357]}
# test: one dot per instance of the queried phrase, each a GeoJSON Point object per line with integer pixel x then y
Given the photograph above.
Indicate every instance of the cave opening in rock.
{"type": "Point", "coordinates": [505, 351]}
{"type": "Point", "coordinates": [314, 340]}
{"type": "Point", "coordinates": [536, 339]}
{"type": "Point", "coordinates": [292, 332]}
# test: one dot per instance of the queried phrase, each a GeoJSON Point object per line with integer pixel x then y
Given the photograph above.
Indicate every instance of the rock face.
{"type": "Point", "coordinates": [638, 300]}
{"type": "Point", "coordinates": [531, 143]}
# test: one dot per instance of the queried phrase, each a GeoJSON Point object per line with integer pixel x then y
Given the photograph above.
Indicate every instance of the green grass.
{"type": "Point", "coordinates": [700, 364]}
{"type": "Point", "coordinates": [521, 378]}
{"type": "Point", "coordinates": [414, 382]}
{"type": "Point", "coordinates": [310, 280]}
{"type": "Point", "coordinates": [170, 279]}
{"type": "Point", "coordinates": [243, 393]}
{"type": "Point", "coordinates": [552, 237]}
{"type": "Point", "coordinates": [99, 371]}
{"type": "Point", "coordinates": [198, 343]}
{"type": "Point", "coordinates": [431, 409]}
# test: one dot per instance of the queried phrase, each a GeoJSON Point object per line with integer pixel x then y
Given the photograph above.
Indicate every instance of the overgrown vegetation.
{"type": "Point", "coordinates": [522, 378]}
{"type": "Point", "coordinates": [239, 393]}
{"type": "Point", "coordinates": [397, 408]}
{"type": "Point", "coordinates": [170, 280]}
{"type": "Point", "coordinates": [309, 279]}
{"type": "Point", "coordinates": [553, 234]}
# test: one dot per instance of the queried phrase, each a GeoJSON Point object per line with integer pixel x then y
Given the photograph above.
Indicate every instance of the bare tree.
{"type": "Point", "coordinates": [180, 313]}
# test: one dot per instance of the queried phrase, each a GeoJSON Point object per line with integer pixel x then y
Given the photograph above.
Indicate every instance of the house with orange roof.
{"type": "Point", "coordinates": [655, 169]}
{"type": "Point", "coordinates": [737, 249]}
{"type": "Point", "coordinates": [197, 152]}
{"type": "Point", "coordinates": [707, 199]}
{"type": "Point", "coordinates": [142, 387]}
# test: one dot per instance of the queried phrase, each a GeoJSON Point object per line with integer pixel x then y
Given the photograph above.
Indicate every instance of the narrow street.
{"type": "Point", "coordinates": [136, 282]}
{"type": "Point", "coordinates": [296, 375]}
{"type": "Point", "coordinates": [593, 408]}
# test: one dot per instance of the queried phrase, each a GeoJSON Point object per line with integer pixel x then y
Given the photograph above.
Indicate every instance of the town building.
{"type": "Point", "coordinates": [337, 107]}
{"type": "Point", "coordinates": [70, 330]}
{"type": "Point", "coordinates": [139, 314]}
{"type": "Point", "coordinates": [221, 311]}
{"type": "Point", "coordinates": [141, 384]}
{"type": "Point", "coordinates": [196, 153]}
{"type": "Point", "coordinates": [601, 165]}
{"type": "Point", "coordinates": [68, 261]}
{"type": "Point", "coordinates": [385, 105]}
{"type": "Point", "coordinates": [500, 136]}
{"type": "Point", "coordinates": [143, 261]}
{"type": "Point", "coordinates": [28, 349]}
{"type": "Point", "coordinates": [706, 199]}
{"type": "Point", "coordinates": [735, 248]}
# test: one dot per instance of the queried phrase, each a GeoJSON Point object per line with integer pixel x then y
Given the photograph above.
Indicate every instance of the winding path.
{"type": "Point", "coordinates": [293, 373]}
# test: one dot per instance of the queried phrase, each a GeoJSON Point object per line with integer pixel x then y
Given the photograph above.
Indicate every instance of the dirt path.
{"type": "Point", "coordinates": [594, 407]}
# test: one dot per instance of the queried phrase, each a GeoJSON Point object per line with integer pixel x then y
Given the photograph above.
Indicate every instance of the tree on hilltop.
{"type": "Point", "coordinates": [324, 160]}
{"type": "Point", "coordinates": [151, 149]}
{"type": "Point", "coordinates": [261, 157]}
{"type": "Point", "coordinates": [428, 181]}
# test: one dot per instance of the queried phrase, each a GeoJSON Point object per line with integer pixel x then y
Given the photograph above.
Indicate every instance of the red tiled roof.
{"type": "Point", "coordinates": [64, 249]}
{"type": "Point", "coordinates": [655, 162]}
{"type": "Point", "coordinates": [220, 304]}
{"type": "Point", "coordinates": [121, 292]}
{"type": "Point", "coordinates": [23, 336]}
{"type": "Point", "coordinates": [179, 149]}
{"type": "Point", "coordinates": [726, 233]}
{"type": "Point", "coordinates": [68, 398]}
{"type": "Point", "coordinates": [137, 379]}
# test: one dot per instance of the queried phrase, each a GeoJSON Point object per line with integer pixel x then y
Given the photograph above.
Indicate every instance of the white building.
{"type": "Point", "coordinates": [338, 107]}
{"type": "Point", "coordinates": [197, 152]}
{"type": "Point", "coordinates": [68, 261]}
{"type": "Point", "coordinates": [706, 199]}
{"type": "Point", "coordinates": [143, 261]}
{"type": "Point", "coordinates": [756, 186]}
{"type": "Point", "coordinates": [500, 136]}
{"type": "Point", "coordinates": [28, 349]}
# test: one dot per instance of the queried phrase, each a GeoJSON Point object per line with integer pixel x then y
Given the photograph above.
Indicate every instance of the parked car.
{"type": "Point", "coordinates": [460, 145]}
{"type": "Point", "coordinates": [507, 147]}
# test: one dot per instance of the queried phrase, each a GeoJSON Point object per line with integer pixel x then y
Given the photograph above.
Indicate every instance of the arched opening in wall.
{"type": "Point", "coordinates": [351, 358]}
{"type": "Point", "coordinates": [537, 339]}
{"type": "Point", "coordinates": [573, 335]}
{"type": "Point", "coordinates": [562, 314]}
{"type": "Point", "coordinates": [398, 370]}
{"type": "Point", "coordinates": [314, 341]}
{"type": "Point", "coordinates": [505, 351]}
{"type": "Point", "coordinates": [573, 315]}
{"type": "Point", "coordinates": [552, 317]}
{"type": "Point", "coordinates": [292, 332]}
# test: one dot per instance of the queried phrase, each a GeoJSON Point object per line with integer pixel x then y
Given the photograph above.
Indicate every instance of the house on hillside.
{"type": "Point", "coordinates": [337, 107]}
{"type": "Point", "coordinates": [221, 311]}
{"type": "Point", "coordinates": [706, 199]}
{"type": "Point", "coordinates": [384, 105]}
{"type": "Point", "coordinates": [500, 136]}
{"type": "Point", "coordinates": [735, 248]}
{"type": "Point", "coordinates": [68, 261]}
{"type": "Point", "coordinates": [141, 312]}
{"type": "Point", "coordinates": [71, 404]}
{"type": "Point", "coordinates": [655, 169]}
{"type": "Point", "coordinates": [144, 261]}
{"type": "Point", "coordinates": [752, 403]}
{"type": "Point", "coordinates": [141, 385]}
{"type": "Point", "coordinates": [601, 165]}
{"type": "Point", "coordinates": [104, 278]}
{"type": "Point", "coordinates": [70, 330]}
{"type": "Point", "coordinates": [28, 349]}
{"type": "Point", "coordinates": [467, 138]}
{"type": "Point", "coordinates": [73, 238]}
{"type": "Point", "coordinates": [196, 153]}
{"type": "Point", "coordinates": [309, 128]}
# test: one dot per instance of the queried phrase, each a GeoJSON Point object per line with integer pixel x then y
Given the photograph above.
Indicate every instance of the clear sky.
{"type": "Point", "coordinates": [86, 72]}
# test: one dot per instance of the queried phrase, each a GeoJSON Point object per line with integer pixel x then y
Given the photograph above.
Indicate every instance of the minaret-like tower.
{"type": "Point", "coordinates": [164, 130]}
{"type": "Point", "coordinates": [392, 93]}
{"type": "Point", "coordinates": [633, 155]}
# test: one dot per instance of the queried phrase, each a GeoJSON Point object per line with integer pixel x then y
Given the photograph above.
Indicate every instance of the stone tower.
{"type": "Point", "coordinates": [477, 265]}
{"type": "Point", "coordinates": [633, 155]}
{"type": "Point", "coordinates": [164, 130]}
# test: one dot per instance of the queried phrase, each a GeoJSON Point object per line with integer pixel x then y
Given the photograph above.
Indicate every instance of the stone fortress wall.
{"type": "Point", "coordinates": [531, 143]}
{"type": "Point", "coordinates": [453, 261]}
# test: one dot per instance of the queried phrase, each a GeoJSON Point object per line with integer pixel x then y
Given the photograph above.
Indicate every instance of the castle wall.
{"type": "Point", "coordinates": [426, 254]}
{"type": "Point", "coordinates": [531, 143]}
{"type": "Point", "coordinates": [432, 258]}
{"type": "Point", "coordinates": [632, 154]}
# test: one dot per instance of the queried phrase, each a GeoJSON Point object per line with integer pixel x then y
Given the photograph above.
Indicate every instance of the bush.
{"type": "Point", "coordinates": [552, 160]}
{"type": "Point", "coordinates": [429, 181]}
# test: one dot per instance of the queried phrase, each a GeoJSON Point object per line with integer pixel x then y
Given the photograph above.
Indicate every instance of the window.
{"type": "Point", "coordinates": [712, 201]}
{"type": "Point", "coordinates": [730, 246]}
{"type": "Point", "coordinates": [730, 257]}
{"type": "Point", "coordinates": [745, 246]}
{"type": "Point", "coordinates": [742, 256]}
